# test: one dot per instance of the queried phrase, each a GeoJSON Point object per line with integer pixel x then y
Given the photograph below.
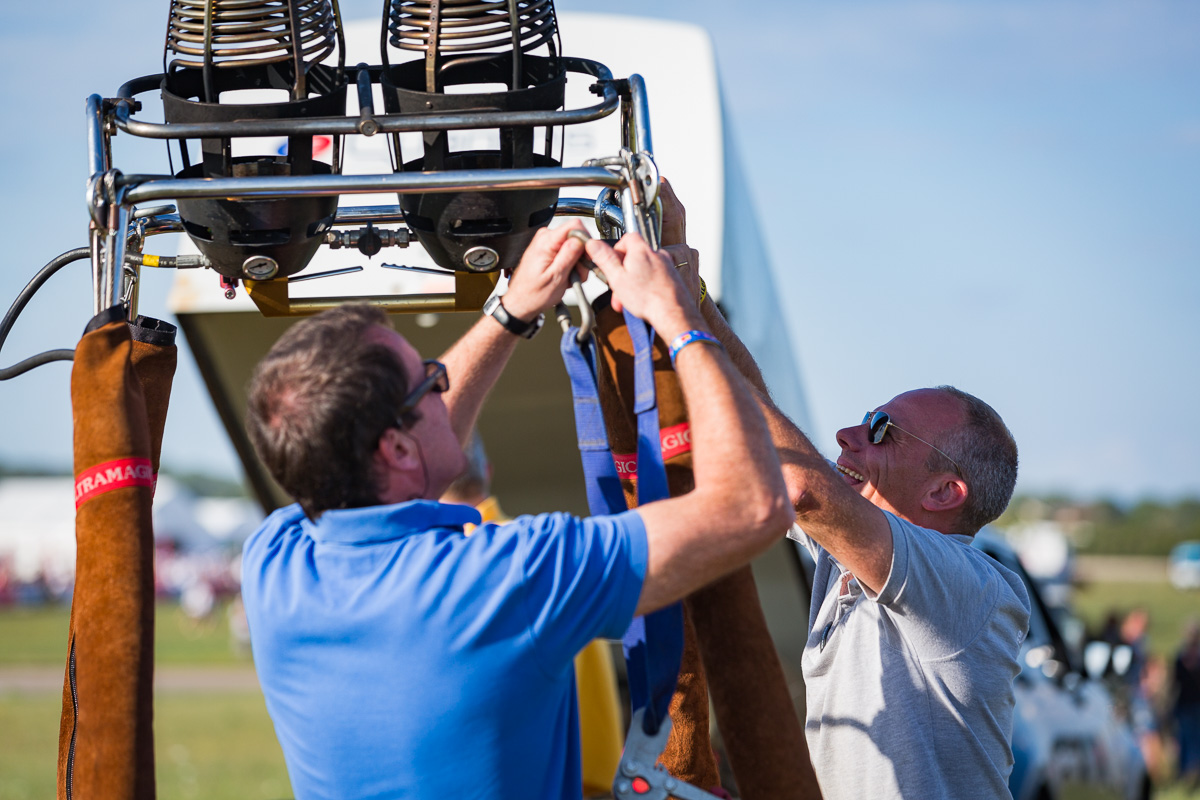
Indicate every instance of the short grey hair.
{"type": "Point", "coordinates": [986, 453]}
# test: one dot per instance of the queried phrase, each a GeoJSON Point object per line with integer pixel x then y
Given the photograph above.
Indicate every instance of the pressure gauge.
{"type": "Point", "coordinates": [481, 259]}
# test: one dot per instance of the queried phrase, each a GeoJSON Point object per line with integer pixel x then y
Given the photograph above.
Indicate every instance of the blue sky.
{"type": "Point", "coordinates": [1002, 196]}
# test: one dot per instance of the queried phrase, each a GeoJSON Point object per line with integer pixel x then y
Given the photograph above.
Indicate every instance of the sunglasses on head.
{"type": "Point", "coordinates": [436, 380]}
{"type": "Point", "coordinates": [878, 423]}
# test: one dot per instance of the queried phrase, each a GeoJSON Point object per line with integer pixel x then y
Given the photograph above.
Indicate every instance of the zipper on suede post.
{"type": "Point", "coordinates": [74, 721]}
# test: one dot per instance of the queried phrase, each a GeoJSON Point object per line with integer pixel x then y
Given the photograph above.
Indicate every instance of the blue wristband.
{"type": "Point", "coordinates": [688, 337]}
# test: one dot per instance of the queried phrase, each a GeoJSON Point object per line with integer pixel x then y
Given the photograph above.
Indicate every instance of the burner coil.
{"type": "Point", "coordinates": [249, 32]}
{"type": "Point", "coordinates": [470, 26]}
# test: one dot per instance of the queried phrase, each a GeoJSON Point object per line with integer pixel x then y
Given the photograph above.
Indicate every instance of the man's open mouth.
{"type": "Point", "coordinates": [851, 473]}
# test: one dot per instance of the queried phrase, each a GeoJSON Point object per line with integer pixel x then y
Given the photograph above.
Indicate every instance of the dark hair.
{"type": "Point", "coordinates": [986, 453]}
{"type": "Point", "coordinates": [318, 403]}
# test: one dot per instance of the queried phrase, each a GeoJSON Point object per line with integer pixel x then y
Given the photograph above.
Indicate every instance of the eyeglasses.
{"type": "Point", "coordinates": [436, 380]}
{"type": "Point", "coordinates": [878, 422]}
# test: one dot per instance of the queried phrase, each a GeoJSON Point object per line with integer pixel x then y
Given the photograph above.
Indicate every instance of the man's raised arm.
{"type": "Point", "coordinates": [829, 511]}
{"type": "Point", "coordinates": [739, 506]}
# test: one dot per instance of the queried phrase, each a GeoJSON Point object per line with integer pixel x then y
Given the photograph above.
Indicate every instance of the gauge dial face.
{"type": "Point", "coordinates": [481, 258]}
{"type": "Point", "coordinates": [260, 268]}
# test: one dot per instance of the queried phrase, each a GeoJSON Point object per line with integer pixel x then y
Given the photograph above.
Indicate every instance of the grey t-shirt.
{"type": "Point", "coordinates": [910, 692]}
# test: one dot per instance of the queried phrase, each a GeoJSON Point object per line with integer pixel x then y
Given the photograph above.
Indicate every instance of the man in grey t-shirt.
{"type": "Point", "coordinates": [914, 635]}
{"type": "Point", "coordinates": [909, 689]}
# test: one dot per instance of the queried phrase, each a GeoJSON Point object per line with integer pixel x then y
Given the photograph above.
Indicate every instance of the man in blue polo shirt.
{"type": "Point", "coordinates": [401, 658]}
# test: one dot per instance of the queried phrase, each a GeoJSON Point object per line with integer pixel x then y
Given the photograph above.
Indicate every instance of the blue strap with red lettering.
{"type": "Point", "coordinates": [653, 644]}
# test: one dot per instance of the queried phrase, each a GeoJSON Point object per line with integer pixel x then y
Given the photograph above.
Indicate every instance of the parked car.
{"type": "Point", "coordinates": [1184, 565]}
{"type": "Point", "coordinates": [1069, 739]}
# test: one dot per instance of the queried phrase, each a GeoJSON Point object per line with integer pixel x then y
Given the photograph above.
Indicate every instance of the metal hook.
{"type": "Point", "coordinates": [587, 314]}
{"type": "Point", "coordinates": [587, 321]}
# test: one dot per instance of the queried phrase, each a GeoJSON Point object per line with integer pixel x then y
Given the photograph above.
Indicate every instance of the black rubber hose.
{"type": "Point", "coordinates": [43, 275]}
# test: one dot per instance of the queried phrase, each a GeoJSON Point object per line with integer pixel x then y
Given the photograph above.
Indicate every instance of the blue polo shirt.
{"type": "Point", "coordinates": [401, 658]}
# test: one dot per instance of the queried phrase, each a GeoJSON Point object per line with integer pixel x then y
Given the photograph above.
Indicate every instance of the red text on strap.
{"type": "Point", "coordinates": [675, 440]}
{"type": "Point", "coordinates": [117, 474]}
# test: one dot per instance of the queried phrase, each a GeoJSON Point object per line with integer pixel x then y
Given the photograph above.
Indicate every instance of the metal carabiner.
{"type": "Point", "coordinates": [587, 314]}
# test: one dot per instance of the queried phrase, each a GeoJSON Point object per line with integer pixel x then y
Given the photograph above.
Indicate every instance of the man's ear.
{"type": "Point", "coordinates": [949, 493]}
{"type": "Point", "coordinates": [396, 451]}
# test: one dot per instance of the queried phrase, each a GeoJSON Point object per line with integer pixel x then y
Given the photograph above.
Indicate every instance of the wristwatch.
{"type": "Point", "coordinates": [495, 309]}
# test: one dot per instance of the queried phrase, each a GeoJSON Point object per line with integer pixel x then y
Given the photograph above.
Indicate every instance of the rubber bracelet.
{"type": "Point", "coordinates": [688, 337]}
{"type": "Point", "coordinates": [703, 293]}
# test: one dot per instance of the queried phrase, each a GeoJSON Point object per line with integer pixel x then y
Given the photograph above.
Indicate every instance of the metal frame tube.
{"type": "Point", "coordinates": [315, 185]}
{"type": "Point", "coordinates": [641, 114]}
{"type": "Point", "coordinates": [629, 209]}
{"type": "Point", "coordinates": [628, 136]}
{"type": "Point", "coordinates": [108, 292]}
{"type": "Point", "coordinates": [162, 223]}
{"type": "Point", "coordinates": [574, 207]}
{"type": "Point", "coordinates": [170, 222]}
{"type": "Point", "coordinates": [135, 288]}
{"type": "Point", "coordinates": [94, 243]}
{"type": "Point", "coordinates": [593, 209]}
{"type": "Point", "coordinates": [388, 123]}
{"type": "Point", "coordinates": [333, 126]}
{"type": "Point", "coordinates": [96, 138]}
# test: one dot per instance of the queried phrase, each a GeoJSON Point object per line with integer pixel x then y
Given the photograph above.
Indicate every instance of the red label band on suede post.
{"type": "Point", "coordinates": [674, 440]}
{"type": "Point", "coordinates": [116, 474]}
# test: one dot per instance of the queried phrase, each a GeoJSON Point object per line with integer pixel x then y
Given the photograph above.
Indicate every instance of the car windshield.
{"type": "Point", "coordinates": [1188, 551]}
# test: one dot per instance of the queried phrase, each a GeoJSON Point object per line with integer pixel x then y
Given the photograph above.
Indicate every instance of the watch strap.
{"type": "Point", "coordinates": [518, 327]}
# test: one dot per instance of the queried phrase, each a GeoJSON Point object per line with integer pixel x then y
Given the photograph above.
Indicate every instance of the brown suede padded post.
{"type": "Point", "coordinates": [763, 735]}
{"type": "Point", "coordinates": [728, 650]}
{"type": "Point", "coordinates": [112, 610]}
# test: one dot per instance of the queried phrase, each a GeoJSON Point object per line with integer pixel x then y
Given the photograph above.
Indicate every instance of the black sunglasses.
{"type": "Point", "coordinates": [436, 380]}
{"type": "Point", "coordinates": [878, 422]}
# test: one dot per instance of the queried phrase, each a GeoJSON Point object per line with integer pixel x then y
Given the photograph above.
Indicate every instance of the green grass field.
{"type": "Point", "coordinates": [1170, 610]}
{"type": "Point", "coordinates": [38, 635]}
{"type": "Point", "coordinates": [220, 744]}
{"type": "Point", "coordinates": [208, 744]}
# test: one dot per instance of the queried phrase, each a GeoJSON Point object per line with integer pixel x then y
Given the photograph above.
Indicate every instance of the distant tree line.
{"type": "Point", "coordinates": [1103, 527]}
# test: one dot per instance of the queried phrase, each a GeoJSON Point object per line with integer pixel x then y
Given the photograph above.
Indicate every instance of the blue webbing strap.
{"type": "Point", "coordinates": [656, 645]}
{"type": "Point", "coordinates": [604, 492]}
{"type": "Point", "coordinates": [653, 644]}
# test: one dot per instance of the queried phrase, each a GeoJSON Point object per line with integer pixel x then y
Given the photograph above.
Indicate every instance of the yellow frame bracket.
{"type": "Point", "coordinates": [471, 290]}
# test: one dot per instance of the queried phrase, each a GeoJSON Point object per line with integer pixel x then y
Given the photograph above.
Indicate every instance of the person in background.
{"type": "Point", "coordinates": [1185, 690]}
{"type": "Point", "coordinates": [601, 738]}
{"type": "Point", "coordinates": [1148, 717]}
{"type": "Point", "coordinates": [1134, 632]}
